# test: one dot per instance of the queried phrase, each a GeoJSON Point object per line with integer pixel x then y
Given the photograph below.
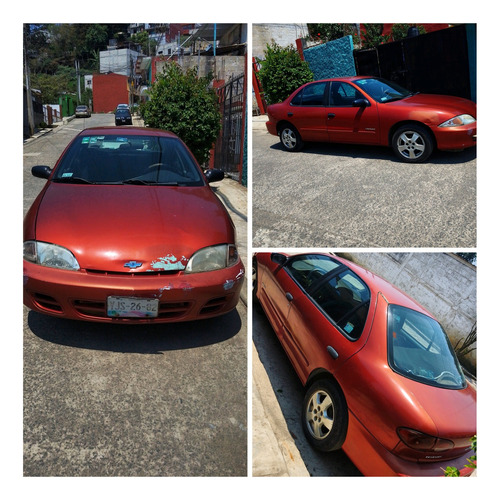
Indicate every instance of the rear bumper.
{"type": "Point", "coordinates": [372, 459]}
{"type": "Point", "coordinates": [271, 128]}
{"type": "Point", "coordinates": [81, 295]}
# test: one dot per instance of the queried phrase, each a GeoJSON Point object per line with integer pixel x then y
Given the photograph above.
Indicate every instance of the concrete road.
{"type": "Point", "coordinates": [332, 195]}
{"type": "Point", "coordinates": [108, 400]}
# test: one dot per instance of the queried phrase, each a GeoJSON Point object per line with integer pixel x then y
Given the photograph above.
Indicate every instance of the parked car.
{"type": "Point", "coordinates": [123, 106]}
{"type": "Point", "coordinates": [127, 230]}
{"type": "Point", "coordinates": [82, 112]}
{"type": "Point", "coordinates": [381, 379]}
{"type": "Point", "coordinates": [123, 117]}
{"type": "Point", "coordinates": [369, 110]}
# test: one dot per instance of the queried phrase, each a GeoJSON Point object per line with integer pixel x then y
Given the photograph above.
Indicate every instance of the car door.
{"type": "Point", "coordinates": [329, 322]}
{"type": "Point", "coordinates": [307, 112]}
{"type": "Point", "coordinates": [351, 116]}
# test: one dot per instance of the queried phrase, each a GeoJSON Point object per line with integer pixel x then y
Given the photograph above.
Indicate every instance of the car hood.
{"type": "Point", "coordinates": [443, 106]}
{"type": "Point", "coordinates": [108, 226]}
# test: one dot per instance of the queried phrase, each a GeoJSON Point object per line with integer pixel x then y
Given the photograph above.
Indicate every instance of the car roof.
{"type": "Point", "coordinates": [127, 131]}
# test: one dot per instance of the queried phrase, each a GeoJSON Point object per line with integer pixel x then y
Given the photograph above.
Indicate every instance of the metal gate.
{"type": "Point", "coordinates": [230, 144]}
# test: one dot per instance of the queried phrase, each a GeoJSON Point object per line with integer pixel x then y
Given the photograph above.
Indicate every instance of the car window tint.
{"type": "Point", "coordinates": [345, 299]}
{"type": "Point", "coordinates": [308, 269]}
{"type": "Point", "coordinates": [118, 158]}
{"type": "Point", "coordinates": [313, 94]}
{"type": "Point", "coordinates": [297, 99]}
{"type": "Point", "coordinates": [419, 349]}
{"type": "Point", "coordinates": [343, 94]}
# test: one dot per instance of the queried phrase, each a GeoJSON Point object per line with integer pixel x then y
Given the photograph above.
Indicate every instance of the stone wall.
{"type": "Point", "coordinates": [441, 282]}
{"type": "Point", "coordinates": [332, 59]}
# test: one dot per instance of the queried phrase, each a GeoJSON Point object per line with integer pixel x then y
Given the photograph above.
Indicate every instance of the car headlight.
{"type": "Point", "coordinates": [457, 121]}
{"type": "Point", "coordinates": [49, 255]}
{"type": "Point", "coordinates": [212, 258]}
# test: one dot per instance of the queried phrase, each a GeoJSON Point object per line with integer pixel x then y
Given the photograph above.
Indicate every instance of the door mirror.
{"type": "Point", "coordinates": [360, 103]}
{"type": "Point", "coordinates": [41, 171]}
{"type": "Point", "coordinates": [214, 175]}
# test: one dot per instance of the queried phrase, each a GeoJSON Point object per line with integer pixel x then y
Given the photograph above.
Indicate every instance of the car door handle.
{"type": "Point", "coordinates": [331, 115]}
{"type": "Point", "coordinates": [289, 296]}
{"type": "Point", "coordinates": [289, 114]}
{"type": "Point", "coordinates": [332, 352]}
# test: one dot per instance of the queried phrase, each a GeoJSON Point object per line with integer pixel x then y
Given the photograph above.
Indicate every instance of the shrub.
{"type": "Point", "coordinates": [186, 105]}
{"type": "Point", "coordinates": [282, 72]}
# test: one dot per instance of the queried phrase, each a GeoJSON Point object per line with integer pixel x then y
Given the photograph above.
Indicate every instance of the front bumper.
{"type": "Point", "coordinates": [456, 138]}
{"type": "Point", "coordinates": [82, 295]}
{"type": "Point", "coordinates": [271, 128]}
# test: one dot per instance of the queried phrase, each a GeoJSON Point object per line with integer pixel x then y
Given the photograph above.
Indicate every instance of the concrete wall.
{"type": "Point", "coordinates": [331, 60]}
{"type": "Point", "coordinates": [283, 34]}
{"type": "Point", "coordinates": [441, 282]}
{"type": "Point", "coordinates": [221, 67]}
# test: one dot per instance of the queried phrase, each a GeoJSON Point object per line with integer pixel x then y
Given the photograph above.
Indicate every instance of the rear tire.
{"type": "Point", "coordinates": [290, 138]}
{"type": "Point", "coordinates": [324, 415]}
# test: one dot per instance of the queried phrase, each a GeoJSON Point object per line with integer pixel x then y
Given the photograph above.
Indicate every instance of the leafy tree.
{"type": "Point", "coordinates": [373, 36]}
{"type": "Point", "coordinates": [148, 45]}
{"type": "Point", "coordinates": [400, 31]}
{"type": "Point", "coordinates": [282, 71]}
{"type": "Point", "coordinates": [184, 104]}
{"type": "Point", "coordinates": [328, 32]}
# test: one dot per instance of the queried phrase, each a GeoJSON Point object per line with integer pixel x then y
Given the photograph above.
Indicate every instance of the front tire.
{"type": "Point", "coordinates": [290, 138]}
{"type": "Point", "coordinates": [324, 416]}
{"type": "Point", "coordinates": [412, 143]}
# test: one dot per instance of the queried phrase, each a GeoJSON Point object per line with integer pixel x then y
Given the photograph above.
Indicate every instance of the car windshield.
{"type": "Point", "coordinates": [419, 349]}
{"type": "Point", "coordinates": [382, 90]}
{"type": "Point", "coordinates": [128, 159]}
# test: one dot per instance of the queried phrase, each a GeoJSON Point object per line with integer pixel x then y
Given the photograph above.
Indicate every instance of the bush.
{"type": "Point", "coordinates": [282, 72]}
{"type": "Point", "coordinates": [184, 104]}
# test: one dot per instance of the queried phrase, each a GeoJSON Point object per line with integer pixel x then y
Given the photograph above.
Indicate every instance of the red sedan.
{"type": "Point", "coordinates": [368, 110]}
{"type": "Point", "coordinates": [381, 379]}
{"type": "Point", "coordinates": [126, 229]}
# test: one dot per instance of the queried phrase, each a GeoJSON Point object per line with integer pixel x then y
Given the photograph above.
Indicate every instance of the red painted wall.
{"type": "Point", "coordinates": [109, 90]}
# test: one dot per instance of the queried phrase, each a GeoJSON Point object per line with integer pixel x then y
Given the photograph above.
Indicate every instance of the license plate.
{"type": "Point", "coordinates": [132, 307]}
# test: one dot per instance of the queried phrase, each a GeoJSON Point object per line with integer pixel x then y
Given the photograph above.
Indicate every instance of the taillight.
{"type": "Point", "coordinates": [423, 442]}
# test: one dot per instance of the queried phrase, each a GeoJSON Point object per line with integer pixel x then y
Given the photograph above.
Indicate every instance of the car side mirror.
{"type": "Point", "coordinates": [360, 103]}
{"type": "Point", "coordinates": [41, 171]}
{"type": "Point", "coordinates": [214, 175]}
{"type": "Point", "coordinates": [279, 258]}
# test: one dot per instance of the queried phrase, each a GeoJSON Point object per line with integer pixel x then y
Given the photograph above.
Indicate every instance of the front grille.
{"type": "Point", "coordinates": [131, 274]}
{"type": "Point", "coordinates": [214, 305]}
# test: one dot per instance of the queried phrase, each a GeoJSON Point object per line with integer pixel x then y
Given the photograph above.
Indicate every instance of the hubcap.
{"type": "Point", "coordinates": [411, 145]}
{"type": "Point", "coordinates": [319, 414]}
{"type": "Point", "coordinates": [288, 138]}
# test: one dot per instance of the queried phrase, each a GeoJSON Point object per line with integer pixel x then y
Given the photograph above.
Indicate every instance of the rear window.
{"type": "Point", "coordinates": [419, 349]}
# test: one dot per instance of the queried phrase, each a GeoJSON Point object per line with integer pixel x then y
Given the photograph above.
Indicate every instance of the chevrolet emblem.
{"type": "Point", "coordinates": [132, 264]}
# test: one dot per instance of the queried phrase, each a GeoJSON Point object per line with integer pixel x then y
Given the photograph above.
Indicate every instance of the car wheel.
{"type": "Point", "coordinates": [412, 143]}
{"type": "Point", "coordinates": [290, 138]}
{"type": "Point", "coordinates": [324, 416]}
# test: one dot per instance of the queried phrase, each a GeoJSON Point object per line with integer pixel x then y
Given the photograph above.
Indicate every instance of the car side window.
{"type": "Point", "coordinates": [312, 95]}
{"type": "Point", "coordinates": [307, 270]}
{"type": "Point", "coordinates": [345, 299]}
{"type": "Point", "coordinates": [343, 94]}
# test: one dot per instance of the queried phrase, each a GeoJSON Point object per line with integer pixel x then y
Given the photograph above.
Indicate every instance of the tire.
{"type": "Point", "coordinates": [412, 143]}
{"type": "Point", "coordinates": [290, 138]}
{"type": "Point", "coordinates": [324, 416]}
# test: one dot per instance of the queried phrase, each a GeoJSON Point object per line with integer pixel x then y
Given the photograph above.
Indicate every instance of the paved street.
{"type": "Point", "coordinates": [332, 195]}
{"type": "Point", "coordinates": [107, 400]}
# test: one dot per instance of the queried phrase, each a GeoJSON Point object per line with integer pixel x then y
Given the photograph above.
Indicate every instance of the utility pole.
{"type": "Point", "coordinates": [29, 99]}
{"type": "Point", "coordinates": [77, 67]}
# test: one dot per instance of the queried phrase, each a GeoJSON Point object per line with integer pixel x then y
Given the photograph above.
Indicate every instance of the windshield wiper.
{"type": "Point", "coordinates": [74, 180]}
{"type": "Point", "coordinates": [146, 182]}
